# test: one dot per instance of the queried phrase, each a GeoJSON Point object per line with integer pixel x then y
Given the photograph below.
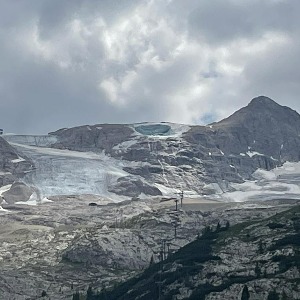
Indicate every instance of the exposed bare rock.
{"type": "Point", "coordinates": [13, 164]}
{"type": "Point", "coordinates": [18, 192]}
{"type": "Point", "coordinates": [261, 135]}
{"type": "Point", "coordinates": [131, 187]}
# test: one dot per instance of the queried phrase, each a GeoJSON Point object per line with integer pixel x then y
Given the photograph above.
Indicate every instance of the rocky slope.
{"type": "Point", "coordinates": [13, 166]}
{"type": "Point", "coordinates": [68, 244]}
{"type": "Point", "coordinates": [199, 159]}
{"type": "Point", "coordinates": [261, 257]}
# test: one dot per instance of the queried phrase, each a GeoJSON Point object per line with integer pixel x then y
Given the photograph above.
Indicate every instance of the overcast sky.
{"type": "Point", "coordinates": [73, 62]}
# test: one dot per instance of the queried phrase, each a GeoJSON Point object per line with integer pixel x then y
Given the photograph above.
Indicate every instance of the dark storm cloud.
{"type": "Point", "coordinates": [220, 21]}
{"type": "Point", "coordinates": [73, 62]}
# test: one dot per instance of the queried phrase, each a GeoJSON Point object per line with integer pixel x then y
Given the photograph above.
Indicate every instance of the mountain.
{"type": "Point", "coordinates": [101, 209]}
{"type": "Point", "coordinates": [265, 127]}
{"type": "Point", "coordinates": [153, 159]}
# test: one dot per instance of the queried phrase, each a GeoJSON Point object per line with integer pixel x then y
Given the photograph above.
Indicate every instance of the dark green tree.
{"type": "Point", "coordinates": [273, 296]}
{"type": "Point", "coordinates": [257, 270]}
{"type": "Point", "coordinates": [76, 296]}
{"type": "Point", "coordinates": [89, 293]}
{"type": "Point", "coordinates": [206, 230]}
{"type": "Point", "coordinates": [245, 293]}
{"type": "Point", "coordinates": [265, 275]}
{"type": "Point", "coordinates": [284, 296]}
{"type": "Point", "coordinates": [151, 261]}
{"type": "Point", "coordinates": [44, 294]}
{"type": "Point", "coordinates": [260, 247]}
{"type": "Point", "coordinates": [227, 225]}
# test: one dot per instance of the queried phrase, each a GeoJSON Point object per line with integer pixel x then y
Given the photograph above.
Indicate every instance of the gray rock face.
{"type": "Point", "coordinates": [262, 135]}
{"type": "Point", "coordinates": [133, 188]}
{"type": "Point", "coordinates": [265, 127]}
{"type": "Point", "coordinates": [18, 192]}
{"type": "Point", "coordinates": [92, 138]}
{"type": "Point", "coordinates": [13, 165]}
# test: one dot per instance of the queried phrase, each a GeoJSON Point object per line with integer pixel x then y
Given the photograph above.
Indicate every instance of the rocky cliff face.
{"type": "Point", "coordinates": [197, 159]}
{"type": "Point", "coordinates": [263, 126]}
{"type": "Point", "coordinates": [13, 166]}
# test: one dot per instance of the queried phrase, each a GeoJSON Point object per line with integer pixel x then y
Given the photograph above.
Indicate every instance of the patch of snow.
{"type": "Point", "coordinates": [5, 188]}
{"type": "Point", "coordinates": [242, 154]}
{"type": "Point", "coordinates": [253, 153]}
{"type": "Point", "coordinates": [104, 227]}
{"type": "Point", "coordinates": [280, 183]}
{"type": "Point", "coordinates": [3, 210]}
{"type": "Point", "coordinates": [222, 152]}
{"type": "Point", "coordinates": [20, 159]}
{"type": "Point", "coordinates": [4, 173]}
{"type": "Point", "coordinates": [163, 169]}
{"type": "Point", "coordinates": [3, 202]}
{"type": "Point", "coordinates": [186, 167]}
{"type": "Point", "coordinates": [288, 168]}
{"type": "Point", "coordinates": [46, 200]}
{"type": "Point", "coordinates": [126, 144]}
{"type": "Point", "coordinates": [264, 174]}
{"type": "Point", "coordinates": [209, 153]}
{"type": "Point", "coordinates": [166, 191]}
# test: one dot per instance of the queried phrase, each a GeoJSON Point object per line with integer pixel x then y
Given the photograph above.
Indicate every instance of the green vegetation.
{"type": "Point", "coordinates": [273, 296]}
{"type": "Point", "coordinates": [245, 293]}
{"type": "Point", "coordinates": [152, 282]}
{"type": "Point", "coordinates": [275, 225]}
{"type": "Point", "coordinates": [162, 280]}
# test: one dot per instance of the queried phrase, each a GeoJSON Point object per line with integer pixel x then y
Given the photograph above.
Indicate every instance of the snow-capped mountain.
{"type": "Point", "coordinates": [79, 238]}
{"type": "Point", "coordinates": [121, 161]}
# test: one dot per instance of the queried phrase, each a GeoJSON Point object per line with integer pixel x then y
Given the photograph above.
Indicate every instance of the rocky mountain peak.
{"type": "Point", "coordinates": [261, 112]}
{"type": "Point", "coordinates": [263, 102]}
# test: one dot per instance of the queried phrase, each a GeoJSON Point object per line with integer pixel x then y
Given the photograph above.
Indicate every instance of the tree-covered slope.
{"type": "Point", "coordinates": [260, 259]}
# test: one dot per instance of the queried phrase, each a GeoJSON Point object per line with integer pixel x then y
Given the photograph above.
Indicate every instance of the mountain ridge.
{"type": "Point", "coordinates": [163, 158]}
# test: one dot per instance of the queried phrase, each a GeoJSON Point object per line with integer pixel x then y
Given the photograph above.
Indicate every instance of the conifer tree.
{"type": "Point", "coordinates": [227, 225]}
{"type": "Point", "coordinates": [245, 293]}
{"type": "Point", "coordinates": [76, 296]}
{"type": "Point", "coordinates": [273, 296]}
{"type": "Point", "coordinates": [89, 293]}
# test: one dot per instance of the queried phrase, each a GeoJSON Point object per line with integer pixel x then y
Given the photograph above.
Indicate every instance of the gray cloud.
{"type": "Point", "coordinates": [220, 21]}
{"type": "Point", "coordinates": [67, 63]}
